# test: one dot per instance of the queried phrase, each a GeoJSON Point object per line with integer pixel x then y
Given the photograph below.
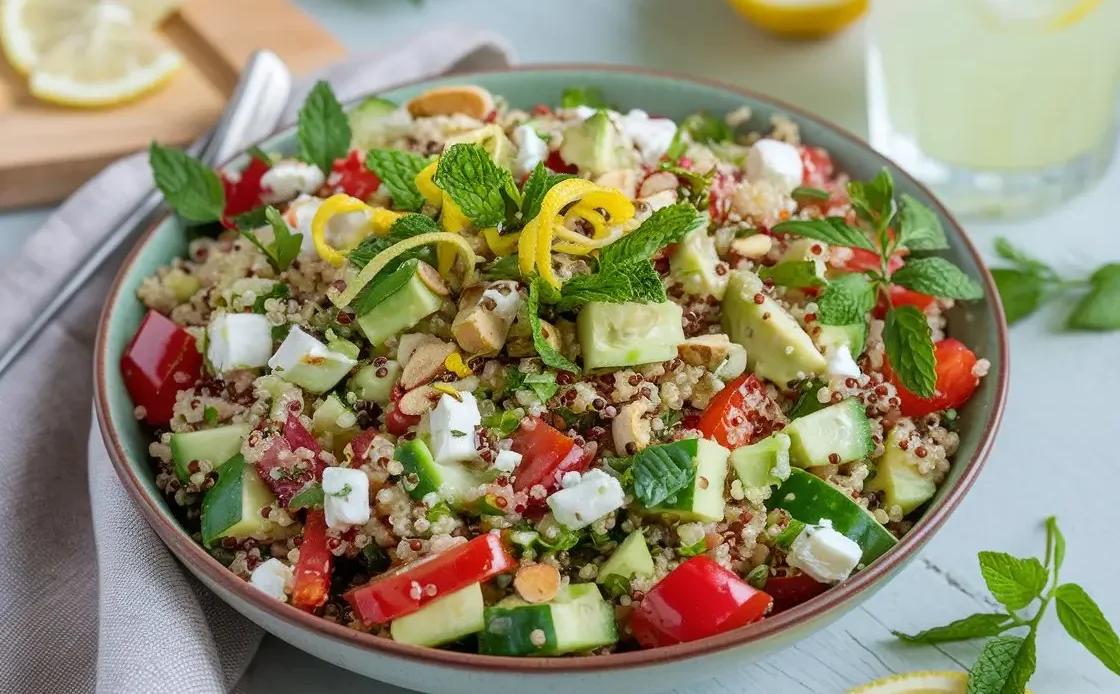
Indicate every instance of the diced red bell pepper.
{"type": "Point", "coordinates": [817, 167]}
{"type": "Point", "coordinates": [546, 454]}
{"type": "Point", "coordinates": [279, 456]}
{"type": "Point", "coordinates": [740, 414]}
{"type": "Point", "coordinates": [244, 191]}
{"type": "Point", "coordinates": [790, 591]}
{"type": "Point", "coordinates": [311, 580]}
{"type": "Point", "coordinates": [557, 164]}
{"type": "Point", "coordinates": [351, 176]}
{"type": "Point", "coordinates": [956, 381]}
{"type": "Point", "coordinates": [407, 589]}
{"type": "Point", "coordinates": [358, 448]}
{"type": "Point", "coordinates": [161, 360]}
{"type": "Point", "coordinates": [696, 600]}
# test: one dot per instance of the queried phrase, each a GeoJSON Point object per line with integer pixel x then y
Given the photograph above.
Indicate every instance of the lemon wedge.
{"type": "Point", "coordinates": [928, 682]}
{"type": "Point", "coordinates": [1046, 15]}
{"type": "Point", "coordinates": [801, 19]}
{"type": "Point", "coordinates": [87, 54]}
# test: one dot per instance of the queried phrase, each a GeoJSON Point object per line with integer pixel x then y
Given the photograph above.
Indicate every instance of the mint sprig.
{"type": "Point", "coordinates": [548, 354]}
{"type": "Point", "coordinates": [909, 345]}
{"type": "Point", "coordinates": [477, 186]}
{"type": "Point", "coordinates": [324, 129]}
{"type": "Point", "coordinates": [190, 187]}
{"type": "Point", "coordinates": [831, 230]}
{"type": "Point", "coordinates": [397, 170]}
{"type": "Point", "coordinates": [540, 181]}
{"type": "Point", "coordinates": [1007, 661]}
{"type": "Point", "coordinates": [661, 472]}
{"type": "Point", "coordinates": [285, 245]}
{"type": "Point", "coordinates": [937, 277]}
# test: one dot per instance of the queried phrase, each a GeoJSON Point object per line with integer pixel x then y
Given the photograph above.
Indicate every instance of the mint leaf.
{"type": "Point", "coordinates": [1014, 582]}
{"type": "Point", "coordinates": [1055, 541]}
{"type": "Point", "coordinates": [1004, 666]}
{"type": "Point", "coordinates": [572, 97]}
{"type": "Point", "coordinates": [801, 273]}
{"type": "Point", "coordinates": [810, 193]}
{"type": "Point", "coordinates": [919, 228]}
{"type": "Point", "coordinates": [285, 245]}
{"type": "Point", "coordinates": [846, 301]}
{"type": "Point", "coordinates": [503, 268]}
{"type": "Point", "coordinates": [543, 385]}
{"type": "Point", "coordinates": [278, 291]}
{"type": "Point", "coordinates": [909, 346]}
{"type": "Point", "coordinates": [190, 187]}
{"type": "Point", "coordinates": [253, 219]}
{"type": "Point", "coordinates": [660, 472]}
{"type": "Point", "coordinates": [831, 230]}
{"type": "Point", "coordinates": [397, 170]}
{"type": "Point", "coordinates": [972, 627]}
{"type": "Point", "coordinates": [310, 496]}
{"type": "Point", "coordinates": [548, 354]}
{"type": "Point", "coordinates": [384, 285]}
{"type": "Point", "coordinates": [698, 185]}
{"type": "Point", "coordinates": [873, 200]}
{"type": "Point", "coordinates": [405, 227]}
{"type": "Point", "coordinates": [665, 226]}
{"type": "Point", "coordinates": [1024, 262]}
{"type": "Point", "coordinates": [1084, 621]}
{"type": "Point", "coordinates": [937, 277]}
{"type": "Point", "coordinates": [705, 129]}
{"type": "Point", "coordinates": [324, 130]}
{"type": "Point", "coordinates": [1020, 292]}
{"type": "Point", "coordinates": [477, 185]}
{"type": "Point", "coordinates": [1100, 309]}
{"type": "Point", "coordinates": [504, 422]}
{"type": "Point", "coordinates": [540, 181]}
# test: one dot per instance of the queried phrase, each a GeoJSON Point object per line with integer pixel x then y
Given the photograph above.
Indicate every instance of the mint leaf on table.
{"type": "Point", "coordinates": [477, 186]}
{"type": "Point", "coordinates": [190, 187]}
{"type": "Point", "coordinates": [1100, 308]}
{"type": "Point", "coordinates": [548, 354]}
{"type": "Point", "coordinates": [324, 129]}
{"type": "Point", "coordinates": [937, 277]}
{"type": "Point", "coordinates": [660, 472]}
{"type": "Point", "coordinates": [1055, 544]}
{"type": "Point", "coordinates": [798, 274]}
{"type": "Point", "coordinates": [540, 181]}
{"type": "Point", "coordinates": [810, 193]}
{"type": "Point", "coordinates": [1085, 622]}
{"type": "Point", "coordinates": [592, 97]}
{"type": "Point", "coordinates": [831, 230]}
{"type": "Point", "coordinates": [1004, 666]}
{"type": "Point", "coordinates": [909, 347]}
{"type": "Point", "coordinates": [285, 245]}
{"type": "Point", "coordinates": [919, 228]}
{"type": "Point", "coordinates": [1021, 260]}
{"type": "Point", "coordinates": [1014, 582]}
{"type": "Point", "coordinates": [397, 170]}
{"type": "Point", "coordinates": [705, 129]}
{"type": "Point", "coordinates": [847, 300]}
{"type": "Point", "coordinates": [1020, 292]}
{"type": "Point", "coordinates": [873, 200]}
{"type": "Point", "coordinates": [972, 627]}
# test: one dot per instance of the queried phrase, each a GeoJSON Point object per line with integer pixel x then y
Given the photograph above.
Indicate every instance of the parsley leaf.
{"type": "Point", "coordinates": [846, 301]}
{"type": "Point", "coordinates": [540, 181]}
{"type": "Point", "coordinates": [190, 187]}
{"type": "Point", "coordinates": [285, 245]}
{"type": "Point", "coordinates": [397, 170]}
{"type": "Point", "coordinates": [909, 345]}
{"type": "Point", "coordinates": [1100, 308]}
{"type": "Point", "coordinates": [592, 97]}
{"type": "Point", "coordinates": [548, 354]}
{"type": "Point", "coordinates": [937, 277]}
{"type": "Point", "coordinates": [703, 128]}
{"type": "Point", "coordinates": [661, 472]}
{"type": "Point", "coordinates": [802, 273]}
{"type": "Point", "coordinates": [310, 496]}
{"type": "Point", "coordinates": [324, 129]}
{"type": "Point", "coordinates": [1014, 582]}
{"type": "Point", "coordinates": [1004, 666]}
{"type": "Point", "coordinates": [476, 185]}
{"type": "Point", "coordinates": [873, 200]}
{"type": "Point", "coordinates": [831, 230]}
{"type": "Point", "coordinates": [1085, 622]}
{"type": "Point", "coordinates": [972, 627]}
{"type": "Point", "coordinates": [543, 385]}
{"type": "Point", "coordinates": [919, 229]}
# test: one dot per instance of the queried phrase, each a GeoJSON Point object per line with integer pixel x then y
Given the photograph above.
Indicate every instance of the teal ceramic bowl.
{"type": "Point", "coordinates": [980, 325]}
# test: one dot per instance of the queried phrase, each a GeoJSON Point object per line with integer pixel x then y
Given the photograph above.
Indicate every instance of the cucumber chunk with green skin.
{"type": "Point", "coordinates": [441, 621]}
{"type": "Point", "coordinates": [630, 559]}
{"type": "Point", "coordinates": [232, 507]}
{"type": "Point", "coordinates": [837, 434]}
{"type": "Point", "coordinates": [801, 251]}
{"type": "Point", "coordinates": [400, 311]}
{"type": "Point", "coordinates": [897, 477]}
{"type": "Point", "coordinates": [703, 500]}
{"type": "Point", "coordinates": [629, 334]}
{"type": "Point", "coordinates": [216, 445]}
{"type": "Point", "coordinates": [595, 145]}
{"type": "Point", "coordinates": [808, 499]}
{"type": "Point", "coordinates": [334, 417]}
{"type": "Point", "coordinates": [368, 122]}
{"type": "Point", "coordinates": [762, 465]}
{"type": "Point", "coordinates": [578, 619]}
{"type": "Point", "coordinates": [367, 385]}
{"type": "Point", "coordinates": [831, 337]}
{"type": "Point", "coordinates": [450, 481]}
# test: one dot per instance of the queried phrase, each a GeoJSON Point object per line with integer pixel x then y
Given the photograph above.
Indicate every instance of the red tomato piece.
{"type": "Point", "coordinates": [311, 579]}
{"type": "Point", "coordinates": [740, 414]}
{"type": "Point", "coordinates": [161, 360]}
{"type": "Point", "coordinates": [696, 600]}
{"type": "Point", "coordinates": [719, 196]}
{"type": "Point", "coordinates": [956, 381]}
{"type": "Point", "coordinates": [358, 448]}
{"type": "Point", "coordinates": [397, 423]}
{"type": "Point", "coordinates": [790, 591]}
{"type": "Point", "coordinates": [407, 589]}
{"type": "Point", "coordinates": [901, 296]}
{"type": "Point", "coordinates": [244, 191]}
{"type": "Point", "coordinates": [546, 455]}
{"type": "Point", "coordinates": [294, 473]}
{"type": "Point", "coordinates": [557, 164]}
{"type": "Point", "coordinates": [817, 167]}
{"type": "Point", "coordinates": [351, 176]}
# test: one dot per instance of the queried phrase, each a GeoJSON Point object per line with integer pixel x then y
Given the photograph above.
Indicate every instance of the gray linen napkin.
{"type": "Point", "coordinates": [90, 599]}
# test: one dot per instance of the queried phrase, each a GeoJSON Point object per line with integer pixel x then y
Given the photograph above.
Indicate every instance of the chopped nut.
{"type": "Point", "coordinates": [658, 182]}
{"type": "Point", "coordinates": [754, 246]}
{"type": "Point", "coordinates": [426, 363]}
{"type": "Point", "coordinates": [708, 351]}
{"type": "Point", "coordinates": [418, 401]}
{"type": "Point", "coordinates": [486, 312]}
{"type": "Point", "coordinates": [432, 280]}
{"type": "Point", "coordinates": [470, 100]}
{"type": "Point", "coordinates": [622, 180]}
{"type": "Point", "coordinates": [410, 342]}
{"type": "Point", "coordinates": [630, 431]}
{"type": "Point", "coordinates": [537, 583]}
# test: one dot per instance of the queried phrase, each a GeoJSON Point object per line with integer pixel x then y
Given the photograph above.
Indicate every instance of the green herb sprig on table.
{"type": "Point", "coordinates": [1030, 283]}
{"type": "Point", "coordinates": [887, 228]}
{"type": "Point", "coordinates": [1006, 663]}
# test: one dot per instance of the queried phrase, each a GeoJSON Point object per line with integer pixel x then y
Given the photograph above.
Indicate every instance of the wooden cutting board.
{"type": "Point", "coordinates": [46, 152]}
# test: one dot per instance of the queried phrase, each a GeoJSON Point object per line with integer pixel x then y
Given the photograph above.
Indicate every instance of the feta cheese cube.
{"type": "Point", "coordinates": [570, 479]}
{"type": "Point", "coordinates": [531, 149]}
{"type": "Point", "coordinates": [272, 578]}
{"type": "Point", "coordinates": [507, 461]}
{"type": "Point", "coordinates": [309, 363]}
{"type": "Point", "coordinates": [345, 497]}
{"type": "Point", "coordinates": [777, 163]}
{"type": "Point", "coordinates": [652, 136]}
{"type": "Point", "coordinates": [506, 305]}
{"type": "Point", "coordinates": [238, 341]}
{"type": "Point", "coordinates": [840, 363]}
{"type": "Point", "coordinates": [288, 178]}
{"type": "Point", "coordinates": [452, 424]}
{"type": "Point", "coordinates": [824, 554]}
{"type": "Point", "coordinates": [580, 505]}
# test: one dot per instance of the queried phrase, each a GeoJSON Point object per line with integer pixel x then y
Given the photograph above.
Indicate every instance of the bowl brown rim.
{"type": "Point", "coordinates": [193, 554]}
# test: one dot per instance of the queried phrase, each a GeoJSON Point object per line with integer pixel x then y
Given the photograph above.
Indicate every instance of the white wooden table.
{"type": "Point", "coordinates": [1054, 455]}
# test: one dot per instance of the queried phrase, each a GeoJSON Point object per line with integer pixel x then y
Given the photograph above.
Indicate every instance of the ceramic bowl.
{"type": "Point", "coordinates": [980, 325]}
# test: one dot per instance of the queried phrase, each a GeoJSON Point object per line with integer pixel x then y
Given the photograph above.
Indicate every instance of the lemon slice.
{"type": "Point", "coordinates": [801, 18]}
{"type": "Point", "coordinates": [1047, 15]}
{"type": "Point", "coordinates": [928, 682]}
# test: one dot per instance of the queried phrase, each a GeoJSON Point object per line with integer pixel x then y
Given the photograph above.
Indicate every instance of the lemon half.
{"type": "Point", "coordinates": [801, 19]}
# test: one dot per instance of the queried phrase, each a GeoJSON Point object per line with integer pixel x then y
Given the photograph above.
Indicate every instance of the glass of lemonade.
{"type": "Point", "coordinates": [1005, 107]}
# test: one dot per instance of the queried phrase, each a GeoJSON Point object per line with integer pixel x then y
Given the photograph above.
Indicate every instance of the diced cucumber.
{"type": "Point", "coordinates": [578, 619]}
{"type": "Point", "coordinates": [232, 507]}
{"type": "Point", "coordinates": [808, 499]}
{"type": "Point", "coordinates": [441, 621]}
{"type": "Point", "coordinates": [632, 558]}
{"type": "Point", "coordinates": [695, 264]}
{"type": "Point", "coordinates": [837, 434]}
{"type": "Point", "coordinates": [283, 395]}
{"type": "Point", "coordinates": [897, 476]}
{"type": "Point", "coordinates": [367, 385]}
{"type": "Point", "coordinates": [704, 500]}
{"type": "Point", "coordinates": [333, 417]}
{"type": "Point", "coordinates": [801, 251]}
{"type": "Point", "coordinates": [215, 445]}
{"type": "Point", "coordinates": [450, 481]}
{"type": "Point", "coordinates": [628, 334]}
{"type": "Point", "coordinates": [368, 122]}
{"type": "Point", "coordinates": [399, 311]}
{"type": "Point", "coordinates": [762, 465]}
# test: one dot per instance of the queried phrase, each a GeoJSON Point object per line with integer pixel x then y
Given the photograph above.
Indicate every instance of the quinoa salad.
{"type": "Point", "coordinates": [562, 381]}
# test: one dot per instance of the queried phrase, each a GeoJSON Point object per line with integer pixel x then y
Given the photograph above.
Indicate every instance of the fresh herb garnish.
{"type": "Point", "coordinates": [458, 434]}
{"type": "Point", "coordinates": [210, 415]}
{"type": "Point", "coordinates": [503, 268]}
{"type": "Point", "coordinates": [548, 354]}
{"type": "Point", "coordinates": [1006, 663]}
{"type": "Point", "coordinates": [397, 170]}
{"type": "Point", "coordinates": [278, 291]}
{"type": "Point", "coordinates": [592, 97]}
{"type": "Point", "coordinates": [478, 187]}
{"type": "Point", "coordinates": [375, 558]}
{"type": "Point", "coordinates": [543, 385]}
{"type": "Point", "coordinates": [190, 187]}
{"type": "Point", "coordinates": [807, 402]}
{"type": "Point", "coordinates": [285, 245]}
{"type": "Point", "coordinates": [705, 129]}
{"type": "Point", "coordinates": [310, 496]}
{"type": "Point", "coordinates": [616, 585]}
{"type": "Point", "coordinates": [341, 493]}
{"type": "Point", "coordinates": [798, 274]}
{"type": "Point", "coordinates": [810, 193]}
{"type": "Point", "coordinates": [324, 129]}
{"type": "Point", "coordinates": [698, 547]}
{"type": "Point", "coordinates": [253, 219]}
{"type": "Point", "coordinates": [504, 422]}
{"type": "Point", "coordinates": [405, 227]}
{"type": "Point", "coordinates": [540, 181]}
{"type": "Point", "coordinates": [441, 510]}
{"type": "Point", "coordinates": [758, 576]}
{"type": "Point", "coordinates": [785, 539]}
{"type": "Point", "coordinates": [661, 472]}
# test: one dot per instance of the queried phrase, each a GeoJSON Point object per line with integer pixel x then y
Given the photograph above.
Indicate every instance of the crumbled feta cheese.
{"type": "Point", "coordinates": [507, 461]}
{"type": "Point", "coordinates": [238, 341]}
{"type": "Point", "coordinates": [272, 578]}
{"type": "Point", "coordinates": [823, 553]}
{"type": "Point", "coordinates": [570, 479]}
{"type": "Point", "coordinates": [300, 348]}
{"type": "Point", "coordinates": [578, 506]}
{"type": "Point", "coordinates": [345, 497]}
{"type": "Point", "coordinates": [506, 306]}
{"type": "Point", "coordinates": [776, 162]}
{"type": "Point", "coordinates": [531, 149]}
{"type": "Point", "coordinates": [288, 178]}
{"type": "Point", "coordinates": [584, 112]}
{"type": "Point", "coordinates": [840, 363]}
{"type": "Point", "coordinates": [452, 424]}
{"type": "Point", "coordinates": [652, 136]}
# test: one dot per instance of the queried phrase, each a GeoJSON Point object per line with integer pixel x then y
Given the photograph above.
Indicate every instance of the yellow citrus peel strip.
{"type": "Point", "coordinates": [380, 221]}
{"type": "Point", "coordinates": [379, 261]}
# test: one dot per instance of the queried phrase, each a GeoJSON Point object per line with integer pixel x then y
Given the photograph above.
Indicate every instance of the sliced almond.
{"type": "Point", "coordinates": [630, 431]}
{"type": "Point", "coordinates": [410, 342]}
{"type": "Point", "coordinates": [479, 331]}
{"type": "Point", "coordinates": [622, 180]}
{"type": "Point", "coordinates": [658, 183]}
{"type": "Point", "coordinates": [537, 583]}
{"type": "Point", "coordinates": [432, 279]}
{"type": "Point", "coordinates": [708, 351]}
{"type": "Point", "coordinates": [418, 401]}
{"type": "Point", "coordinates": [426, 364]}
{"type": "Point", "coordinates": [469, 100]}
{"type": "Point", "coordinates": [752, 247]}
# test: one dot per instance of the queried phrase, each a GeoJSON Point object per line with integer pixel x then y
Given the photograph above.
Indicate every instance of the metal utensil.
{"type": "Point", "coordinates": [253, 113]}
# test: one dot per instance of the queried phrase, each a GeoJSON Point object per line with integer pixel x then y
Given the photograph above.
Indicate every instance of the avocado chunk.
{"type": "Point", "coordinates": [492, 139]}
{"type": "Point", "coordinates": [762, 465]}
{"type": "Point", "coordinates": [702, 500]}
{"type": "Point", "coordinates": [801, 251]}
{"type": "Point", "coordinates": [595, 145]}
{"type": "Point", "coordinates": [897, 477]}
{"type": "Point", "coordinates": [832, 337]}
{"type": "Point", "coordinates": [232, 507]}
{"type": "Point", "coordinates": [424, 476]}
{"type": "Point", "coordinates": [215, 445]}
{"type": "Point", "coordinates": [837, 434]}
{"type": "Point", "coordinates": [630, 559]}
{"type": "Point", "coordinates": [400, 310]}
{"type": "Point", "coordinates": [367, 385]}
{"type": "Point", "coordinates": [694, 265]}
{"type": "Point", "coordinates": [441, 621]}
{"type": "Point", "coordinates": [612, 335]}
{"type": "Point", "coordinates": [778, 349]}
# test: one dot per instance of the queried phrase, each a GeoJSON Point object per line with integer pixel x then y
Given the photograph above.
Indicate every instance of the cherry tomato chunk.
{"type": "Point", "coordinates": [546, 455]}
{"type": "Point", "coordinates": [351, 176]}
{"type": "Point", "coordinates": [956, 380]}
{"type": "Point", "coordinates": [740, 414]}
{"type": "Point", "coordinates": [244, 191]}
{"type": "Point", "coordinates": [161, 360]}
{"type": "Point", "coordinates": [311, 579]}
